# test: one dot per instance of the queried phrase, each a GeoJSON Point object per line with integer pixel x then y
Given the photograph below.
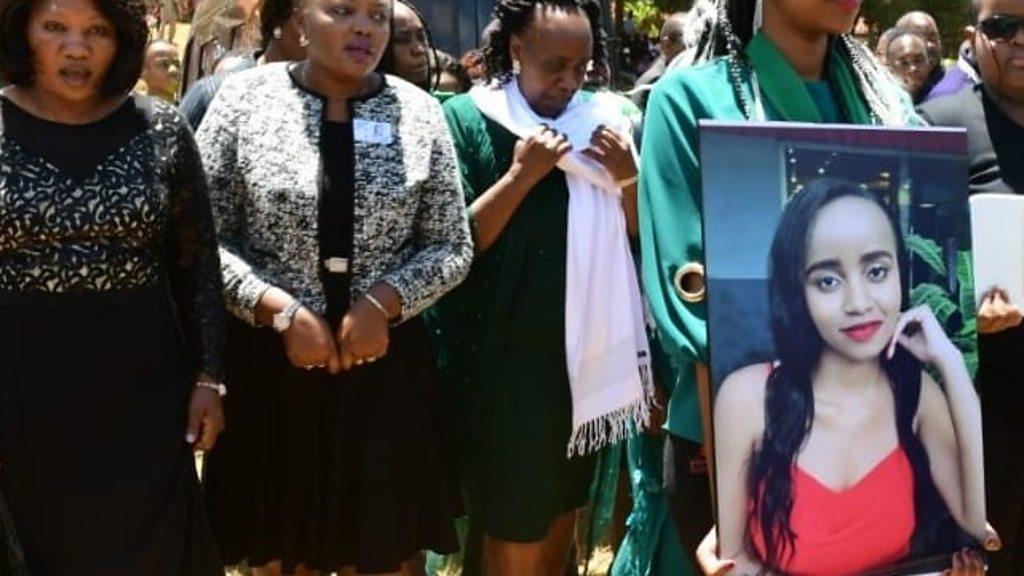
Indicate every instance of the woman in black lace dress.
{"type": "Point", "coordinates": [110, 306]}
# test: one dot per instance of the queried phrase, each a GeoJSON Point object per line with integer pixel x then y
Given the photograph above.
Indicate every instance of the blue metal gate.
{"type": "Point", "coordinates": [456, 24]}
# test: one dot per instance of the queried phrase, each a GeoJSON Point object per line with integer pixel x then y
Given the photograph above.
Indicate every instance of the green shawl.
{"type": "Point", "coordinates": [787, 92]}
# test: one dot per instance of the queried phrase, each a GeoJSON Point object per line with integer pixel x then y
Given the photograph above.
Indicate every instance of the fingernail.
{"type": "Point", "coordinates": [992, 544]}
{"type": "Point", "coordinates": [190, 437]}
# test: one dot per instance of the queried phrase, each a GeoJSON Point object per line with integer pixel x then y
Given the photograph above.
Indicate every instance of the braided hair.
{"type": "Point", "coordinates": [512, 17]}
{"type": "Point", "coordinates": [724, 27]}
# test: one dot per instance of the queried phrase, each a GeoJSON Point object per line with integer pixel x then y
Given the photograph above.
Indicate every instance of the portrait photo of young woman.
{"type": "Point", "coordinates": [858, 447]}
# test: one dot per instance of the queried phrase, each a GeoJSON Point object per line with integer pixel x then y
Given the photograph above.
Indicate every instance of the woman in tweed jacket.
{"type": "Point", "coordinates": [339, 212]}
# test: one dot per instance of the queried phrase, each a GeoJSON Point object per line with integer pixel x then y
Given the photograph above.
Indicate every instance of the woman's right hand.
{"type": "Point", "coordinates": [707, 556]}
{"type": "Point", "coordinates": [537, 154]}
{"type": "Point", "coordinates": [533, 158]}
{"type": "Point", "coordinates": [309, 343]}
{"type": "Point", "coordinates": [997, 313]}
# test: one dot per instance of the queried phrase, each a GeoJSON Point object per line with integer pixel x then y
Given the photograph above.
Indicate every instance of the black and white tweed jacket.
{"type": "Point", "coordinates": [260, 147]}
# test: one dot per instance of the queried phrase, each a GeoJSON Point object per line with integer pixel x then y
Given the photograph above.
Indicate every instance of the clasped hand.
{"type": "Point", "coordinates": [362, 337]}
{"type": "Point", "coordinates": [536, 155]}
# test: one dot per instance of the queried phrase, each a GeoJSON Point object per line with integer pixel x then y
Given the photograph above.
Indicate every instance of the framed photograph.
{"type": "Point", "coordinates": [842, 347]}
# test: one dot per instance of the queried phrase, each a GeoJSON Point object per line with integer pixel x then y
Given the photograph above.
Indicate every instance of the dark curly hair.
{"type": "Point", "coordinates": [516, 16]}
{"type": "Point", "coordinates": [128, 17]}
{"type": "Point", "coordinates": [273, 15]}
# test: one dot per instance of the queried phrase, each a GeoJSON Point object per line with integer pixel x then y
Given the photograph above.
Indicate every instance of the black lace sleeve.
{"type": "Point", "coordinates": [194, 264]}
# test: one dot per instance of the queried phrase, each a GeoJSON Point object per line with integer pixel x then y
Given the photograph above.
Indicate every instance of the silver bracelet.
{"type": "Point", "coordinates": [376, 304]}
{"type": "Point", "coordinates": [219, 387]}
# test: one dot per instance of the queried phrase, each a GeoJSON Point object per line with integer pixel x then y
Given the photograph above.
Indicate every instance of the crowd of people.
{"type": "Point", "coordinates": [383, 288]}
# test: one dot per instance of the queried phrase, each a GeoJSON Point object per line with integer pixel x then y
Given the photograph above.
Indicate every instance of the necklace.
{"type": "Point", "coordinates": [752, 111]}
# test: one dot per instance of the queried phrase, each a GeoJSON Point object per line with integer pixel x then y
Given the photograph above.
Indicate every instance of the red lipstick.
{"type": "Point", "coordinates": [863, 332]}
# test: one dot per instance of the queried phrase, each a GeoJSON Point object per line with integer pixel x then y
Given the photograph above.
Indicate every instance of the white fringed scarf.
{"type": "Point", "coordinates": [607, 355]}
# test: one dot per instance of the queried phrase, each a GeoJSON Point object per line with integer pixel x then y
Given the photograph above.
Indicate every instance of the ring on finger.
{"type": "Point", "coordinates": [371, 359]}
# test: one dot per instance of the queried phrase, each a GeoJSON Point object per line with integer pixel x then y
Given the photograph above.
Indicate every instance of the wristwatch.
{"type": "Point", "coordinates": [283, 319]}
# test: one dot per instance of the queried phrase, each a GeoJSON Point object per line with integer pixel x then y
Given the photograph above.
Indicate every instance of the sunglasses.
{"type": "Point", "coordinates": [1001, 27]}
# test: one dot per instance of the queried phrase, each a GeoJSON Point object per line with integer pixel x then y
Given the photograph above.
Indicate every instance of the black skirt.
{"type": "Point", "coordinates": [93, 398]}
{"type": "Point", "coordinates": [330, 471]}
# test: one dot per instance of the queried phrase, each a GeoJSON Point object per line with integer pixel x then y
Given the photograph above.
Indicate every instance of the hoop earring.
{"type": "Point", "coordinates": [303, 41]}
{"type": "Point", "coordinates": [515, 67]}
{"type": "Point", "coordinates": [277, 33]}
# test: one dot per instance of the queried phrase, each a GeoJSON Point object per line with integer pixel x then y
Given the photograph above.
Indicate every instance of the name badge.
{"type": "Point", "coordinates": [372, 132]}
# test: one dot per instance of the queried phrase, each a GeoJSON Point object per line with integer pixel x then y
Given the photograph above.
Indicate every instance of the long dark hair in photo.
{"type": "Point", "coordinates": [789, 400]}
{"type": "Point", "coordinates": [513, 17]}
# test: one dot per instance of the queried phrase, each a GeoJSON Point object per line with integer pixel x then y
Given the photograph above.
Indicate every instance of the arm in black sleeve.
{"type": "Point", "coordinates": [194, 265]}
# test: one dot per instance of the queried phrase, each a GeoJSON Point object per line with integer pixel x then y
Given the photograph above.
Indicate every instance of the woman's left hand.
{"type": "Point", "coordinates": [612, 150]}
{"type": "Point", "coordinates": [363, 334]}
{"type": "Point", "coordinates": [205, 418]}
{"type": "Point", "coordinates": [920, 333]}
{"type": "Point", "coordinates": [966, 562]}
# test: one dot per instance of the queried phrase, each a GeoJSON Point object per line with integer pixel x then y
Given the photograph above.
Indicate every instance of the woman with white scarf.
{"type": "Point", "coordinates": [544, 344]}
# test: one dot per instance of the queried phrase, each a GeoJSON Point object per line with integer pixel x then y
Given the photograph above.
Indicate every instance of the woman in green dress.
{"type": "Point", "coordinates": [510, 336]}
{"type": "Point", "coordinates": [755, 60]}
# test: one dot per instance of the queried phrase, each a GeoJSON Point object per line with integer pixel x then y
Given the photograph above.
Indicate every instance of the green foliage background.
{"type": "Point", "coordinates": [955, 312]}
